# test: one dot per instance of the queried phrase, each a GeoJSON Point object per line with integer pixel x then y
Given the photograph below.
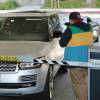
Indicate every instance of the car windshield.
{"type": "Point", "coordinates": [22, 28]}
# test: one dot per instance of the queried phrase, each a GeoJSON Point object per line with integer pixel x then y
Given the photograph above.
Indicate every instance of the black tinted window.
{"type": "Point", "coordinates": [23, 28]}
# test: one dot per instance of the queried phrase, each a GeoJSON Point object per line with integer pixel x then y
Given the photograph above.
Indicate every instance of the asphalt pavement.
{"type": "Point", "coordinates": [62, 89]}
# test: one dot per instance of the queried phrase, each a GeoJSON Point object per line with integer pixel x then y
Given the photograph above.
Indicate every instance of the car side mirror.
{"type": "Point", "coordinates": [57, 34]}
{"type": "Point", "coordinates": [67, 24]}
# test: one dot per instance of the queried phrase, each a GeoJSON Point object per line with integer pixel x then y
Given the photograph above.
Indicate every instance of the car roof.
{"type": "Point", "coordinates": [37, 13]}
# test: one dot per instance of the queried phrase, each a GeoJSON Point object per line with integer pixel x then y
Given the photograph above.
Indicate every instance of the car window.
{"type": "Point", "coordinates": [55, 20]}
{"type": "Point", "coordinates": [23, 28]}
{"type": "Point", "coordinates": [51, 27]}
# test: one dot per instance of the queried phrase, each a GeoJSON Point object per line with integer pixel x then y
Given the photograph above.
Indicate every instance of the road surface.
{"type": "Point", "coordinates": [62, 89]}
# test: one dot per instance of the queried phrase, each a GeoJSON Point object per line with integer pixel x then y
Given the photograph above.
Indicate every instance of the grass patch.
{"type": "Point", "coordinates": [9, 4]}
{"type": "Point", "coordinates": [98, 3]}
{"type": "Point", "coordinates": [47, 4]}
{"type": "Point", "coordinates": [67, 4]}
{"type": "Point", "coordinates": [72, 4]}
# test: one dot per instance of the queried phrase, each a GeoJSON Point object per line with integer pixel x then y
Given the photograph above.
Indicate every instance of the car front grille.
{"type": "Point", "coordinates": [8, 67]}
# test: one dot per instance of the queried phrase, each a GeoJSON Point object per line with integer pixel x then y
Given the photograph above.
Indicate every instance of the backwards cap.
{"type": "Point", "coordinates": [75, 15]}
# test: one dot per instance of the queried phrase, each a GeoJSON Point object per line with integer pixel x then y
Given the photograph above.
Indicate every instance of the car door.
{"type": "Point", "coordinates": [56, 52]}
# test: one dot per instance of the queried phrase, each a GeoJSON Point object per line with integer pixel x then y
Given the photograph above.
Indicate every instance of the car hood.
{"type": "Point", "coordinates": [24, 50]}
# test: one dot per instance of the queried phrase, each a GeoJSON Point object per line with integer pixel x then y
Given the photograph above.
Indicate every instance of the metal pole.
{"type": "Point", "coordinates": [58, 4]}
{"type": "Point", "coordinates": [91, 3]}
{"type": "Point", "coordinates": [55, 3]}
{"type": "Point", "coordinates": [51, 3]}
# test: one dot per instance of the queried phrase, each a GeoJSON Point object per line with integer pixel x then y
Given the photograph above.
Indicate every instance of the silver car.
{"type": "Point", "coordinates": [25, 36]}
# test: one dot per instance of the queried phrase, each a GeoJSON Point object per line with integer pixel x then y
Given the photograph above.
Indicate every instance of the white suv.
{"type": "Point", "coordinates": [23, 37]}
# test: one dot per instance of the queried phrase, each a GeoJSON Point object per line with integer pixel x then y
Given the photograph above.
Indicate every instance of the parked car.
{"type": "Point", "coordinates": [94, 24]}
{"type": "Point", "coordinates": [25, 36]}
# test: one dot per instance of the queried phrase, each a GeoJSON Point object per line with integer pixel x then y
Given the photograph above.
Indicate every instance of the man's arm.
{"type": "Point", "coordinates": [65, 38]}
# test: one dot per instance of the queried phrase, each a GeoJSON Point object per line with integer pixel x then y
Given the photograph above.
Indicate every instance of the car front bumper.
{"type": "Point", "coordinates": [23, 82]}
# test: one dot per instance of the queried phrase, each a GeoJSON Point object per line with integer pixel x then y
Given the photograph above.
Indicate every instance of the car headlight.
{"type": "Point", "coordinates": [24, 66]}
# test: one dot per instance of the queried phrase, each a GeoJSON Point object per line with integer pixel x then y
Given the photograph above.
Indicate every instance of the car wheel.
{"type": "Point", "coordinates": [48, 90]}
{"type": "Point", "coordinates": [63, 69]}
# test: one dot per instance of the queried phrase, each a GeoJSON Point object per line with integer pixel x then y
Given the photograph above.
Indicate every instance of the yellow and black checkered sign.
{"type": "Point", "coordinates": [8, 59]}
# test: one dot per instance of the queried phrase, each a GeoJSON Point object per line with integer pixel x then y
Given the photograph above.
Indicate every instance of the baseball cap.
{"type": "Point", "coordinates": [75, 15]}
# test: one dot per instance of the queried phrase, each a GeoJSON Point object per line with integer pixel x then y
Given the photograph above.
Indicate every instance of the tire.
{"type": "Point", "coordinates": [63, 69]}
{"type": "Point", "coordinates": [48, 90]}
